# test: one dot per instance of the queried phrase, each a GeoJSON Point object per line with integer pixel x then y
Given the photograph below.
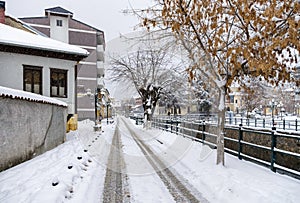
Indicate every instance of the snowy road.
{"type": "Point", "coordinates": [179, 190]}
{"type": "Point", "coordinates": [154, 167]}
{"type": "Point", "coordinates": [115, 185]}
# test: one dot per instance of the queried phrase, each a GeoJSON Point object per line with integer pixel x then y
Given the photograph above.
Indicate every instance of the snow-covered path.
{"type": "Point", "coordinates": [77, 169]}
{"type": "Point", "coordinates": [169, 187]}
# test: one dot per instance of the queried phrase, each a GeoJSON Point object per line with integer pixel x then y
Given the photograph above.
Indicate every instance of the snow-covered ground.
{"type": "Point", "coordinates": [238, 181]}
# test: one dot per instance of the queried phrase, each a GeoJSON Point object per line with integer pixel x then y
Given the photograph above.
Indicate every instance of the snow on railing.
{"type": "Point", "coordinates": [195, 130]}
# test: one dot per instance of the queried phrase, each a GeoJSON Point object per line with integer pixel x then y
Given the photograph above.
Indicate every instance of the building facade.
{"type": "Point", "coordinates": [59, 24]}
{"type": "Point", "coordinates": [40, 65]}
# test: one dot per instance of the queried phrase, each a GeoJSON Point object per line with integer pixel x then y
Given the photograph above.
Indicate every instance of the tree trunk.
{"type": "Point", "coordinates": [221, 126]}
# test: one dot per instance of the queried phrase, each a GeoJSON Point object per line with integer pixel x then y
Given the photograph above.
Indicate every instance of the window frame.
{"type": "Point", "coordinates": [59, 23]}
{"type": "Point", "coordinates": [59, 72]}
{"type": "Point", "coordinates": [33, 68]}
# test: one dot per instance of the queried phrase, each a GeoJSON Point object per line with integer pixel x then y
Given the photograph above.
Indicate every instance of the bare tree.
{"type": "Point", "coordinates": [253, 95]}
{"type": "Point", "coordinates": [152, 71]}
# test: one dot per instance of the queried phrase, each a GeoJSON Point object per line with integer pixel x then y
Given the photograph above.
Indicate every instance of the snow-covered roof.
{"type": "Point", "coordinates": [16, 37]}
{"type": "Point", "coordinates": [59, 10]}
{"type": "Point", "coordinates": [28, 96]}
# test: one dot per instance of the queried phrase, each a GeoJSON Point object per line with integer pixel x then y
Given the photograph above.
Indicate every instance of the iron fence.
{"type": "Point", "coordinates": [273, 151]}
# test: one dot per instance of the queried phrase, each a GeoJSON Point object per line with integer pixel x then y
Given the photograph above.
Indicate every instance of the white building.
{"type": "Point", "coordinates": [39, 64]}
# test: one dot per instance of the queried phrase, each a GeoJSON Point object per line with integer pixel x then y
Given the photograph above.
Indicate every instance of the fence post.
{"type": "Point", "coordinates": [255, 121]}
{"type": "Point", "coordinates": [239, 143]}
{"type": "Point", "coordinates": [283, 124]}
{"type": "Point", "coordinates": [273, 146]}
{"type": "Point", "coordinates": [153, 122]}
{"type": "Point", "coordinates": [158, 123]}
{"type": "Point", "coordinates": [296, 124]}
{"type": "Point", "coordinates": [203, 131]}
{"type": "Point", "coordinates": [166, 124]}
{"type": "Point", "coordinates": [264, 123]}
{"type": "Point", "coordinates": [235, 121]}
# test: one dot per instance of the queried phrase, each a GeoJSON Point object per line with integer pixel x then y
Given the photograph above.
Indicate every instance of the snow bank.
{"type": "Point", "coordinates": [70, 172]}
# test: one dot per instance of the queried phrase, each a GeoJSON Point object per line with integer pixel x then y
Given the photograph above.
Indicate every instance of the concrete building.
{"type": "Point", "coordinates": [58, 23]}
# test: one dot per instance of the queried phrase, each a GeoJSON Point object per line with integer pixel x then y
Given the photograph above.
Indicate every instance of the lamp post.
{"type": "Point", "coordinates": [297, 109]}
{"type": "Point", "coordinates": [280, 105]}
{"type": "Point", "coordinates": [273, 104]}
{"type": "Point", "coordinates": [107, 105]}
{"type": "Point", "coordinates": [96, 100]}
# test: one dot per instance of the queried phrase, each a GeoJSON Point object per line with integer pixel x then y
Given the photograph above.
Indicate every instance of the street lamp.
{"type": "Point", "coordinates": [297, 109]}
{"type": "Point", "coordinates": [273, 104]}
{"type": "Point", "coordinates": [107, 105]}
{"type": "Point", "coordinates": [282, 110]}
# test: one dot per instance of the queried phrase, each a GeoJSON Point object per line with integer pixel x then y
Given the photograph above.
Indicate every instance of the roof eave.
{"type": "Point", "coordinates": [36, 51]}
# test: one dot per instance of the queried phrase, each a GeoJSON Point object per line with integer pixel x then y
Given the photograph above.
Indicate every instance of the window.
{"type": "Point", "coordinates": [59, 23]}
{"type": "Point", "coordinates": [32, 79]}
{"type": "Point", "coordinates": [58, 82]}
{"type": "Point", "coordinates": [231, 99]}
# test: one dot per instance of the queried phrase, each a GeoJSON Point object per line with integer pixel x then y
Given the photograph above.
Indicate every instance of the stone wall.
{"type": "Point", "coordinates": [28, 129]}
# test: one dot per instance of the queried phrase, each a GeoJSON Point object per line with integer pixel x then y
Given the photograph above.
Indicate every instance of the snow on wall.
{"type": "Point", "coordinates": [22, 95]}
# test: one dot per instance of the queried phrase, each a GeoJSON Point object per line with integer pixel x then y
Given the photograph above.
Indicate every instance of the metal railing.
{"type": "Point", "coordinates": [265, 122]}
{"type": "Point", "coordinates": [285, 124]}
{"type": "Point", "coordinates": [197, 130]}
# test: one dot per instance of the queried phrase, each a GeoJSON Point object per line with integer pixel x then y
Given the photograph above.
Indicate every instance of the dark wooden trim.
{"type": "Point", "coordinates": [59, 71]}
{"type": "Point", "coordinates": [41, 52]}
{"type": "Point", "coordinates": [34, 68]}
{"type": "Point", "coordinates": [75, 84]}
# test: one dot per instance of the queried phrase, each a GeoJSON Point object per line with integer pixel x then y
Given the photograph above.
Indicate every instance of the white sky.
{"type": "Point", "coordinates": [105, 15]}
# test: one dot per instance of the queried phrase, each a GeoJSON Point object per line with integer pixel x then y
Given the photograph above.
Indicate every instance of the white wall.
{"type": "Point", "coordinates": [11, 73]}
{"type": "Point", "coordinates": [28, 129]}
{"type": "Point", "coordinates": [57, 32]}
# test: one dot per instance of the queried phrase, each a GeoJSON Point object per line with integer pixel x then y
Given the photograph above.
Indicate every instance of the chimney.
{"type": "Point", "coordinates": [2, 12]}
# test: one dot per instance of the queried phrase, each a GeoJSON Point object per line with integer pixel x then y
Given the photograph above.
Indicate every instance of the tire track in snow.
{"type": "Point", "coordinates": [177, 189]}
{"type": "Point", "coordinates": [115, 185]}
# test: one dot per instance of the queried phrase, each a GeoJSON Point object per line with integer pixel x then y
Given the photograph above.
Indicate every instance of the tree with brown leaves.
{"type": "Point", "coordinates": [230, 39]}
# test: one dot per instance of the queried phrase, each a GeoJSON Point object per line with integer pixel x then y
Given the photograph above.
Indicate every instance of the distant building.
{"type": "Point", "coordinates": [234, 101]}
{"type": "Point", "coordinates": [59, 24]}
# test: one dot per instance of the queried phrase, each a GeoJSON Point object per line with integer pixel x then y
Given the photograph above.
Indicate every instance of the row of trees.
{"type": "Point", "coordinates": [229, 40]}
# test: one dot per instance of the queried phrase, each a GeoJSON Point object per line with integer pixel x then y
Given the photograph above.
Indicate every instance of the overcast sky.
{"type": "Point", "coordinates": [105, 15]}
